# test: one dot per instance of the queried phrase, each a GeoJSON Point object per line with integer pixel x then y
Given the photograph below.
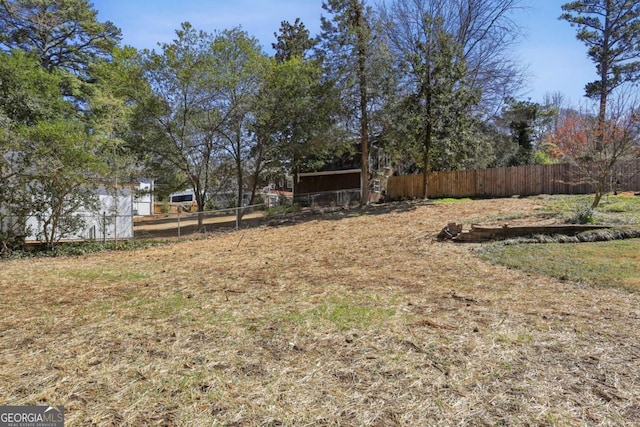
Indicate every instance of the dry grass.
{"type": "Point", "coordinates": [352, 320]}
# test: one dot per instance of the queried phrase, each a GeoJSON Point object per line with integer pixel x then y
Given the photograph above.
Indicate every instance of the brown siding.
{"type": "Point", "coordinates": [322, 183]}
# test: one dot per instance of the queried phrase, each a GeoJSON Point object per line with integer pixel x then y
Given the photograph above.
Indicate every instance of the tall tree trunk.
{"type": "Point", "coordinates": [428, 130]}
{"type": "Point", "coordinates": [604, 82]}
{"type": "Point", "coordinates": [364, 140]}
{"type": "Point", "coordinates": [56, 216]}
{"type": "Point", "coordinates": [200, 201]}
{"type": "Point", "coordinates": [240, 179]}
{"type": "Point", "coordinates": [364, 119]}
{"type": "Point", "coordinates": [602, 115]}
{"type": "Point", "coordinates": [425, 159]}
{"type": "Point", "coordinates": [599, 190]}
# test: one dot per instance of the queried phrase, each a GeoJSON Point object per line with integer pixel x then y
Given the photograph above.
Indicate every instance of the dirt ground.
{"type": "Point", "coordinates": [348, 319]}
{"type": "Point", "coordinates": [166, 226]}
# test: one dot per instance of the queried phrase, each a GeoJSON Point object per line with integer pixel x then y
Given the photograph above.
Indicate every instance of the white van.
{"type": "Point", "coordinates": [185, 199]}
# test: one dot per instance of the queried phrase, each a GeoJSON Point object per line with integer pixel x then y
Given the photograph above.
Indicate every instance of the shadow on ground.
{"type": "Point", "coordinates": [164, 227]}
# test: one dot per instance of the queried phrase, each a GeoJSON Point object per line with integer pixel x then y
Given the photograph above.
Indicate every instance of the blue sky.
{"type": "Point", "coordinates": [555, 60]}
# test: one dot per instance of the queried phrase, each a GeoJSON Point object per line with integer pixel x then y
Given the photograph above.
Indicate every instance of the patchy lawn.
{"type": "Point", "coordinates": [615, 263]}
{"type": "Point", "coordinates": [352, 319]}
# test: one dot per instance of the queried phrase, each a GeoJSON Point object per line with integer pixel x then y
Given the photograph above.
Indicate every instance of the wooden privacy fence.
{"type": "Point", "coordinates": [507, 182]}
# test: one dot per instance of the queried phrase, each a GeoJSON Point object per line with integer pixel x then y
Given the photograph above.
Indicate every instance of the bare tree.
{"type": "Point", "coordinates": [483, 29]}
{"type": "Point", "coordinates": [601, 150]}
{"type": "Point", "coordinates": [557, 102]}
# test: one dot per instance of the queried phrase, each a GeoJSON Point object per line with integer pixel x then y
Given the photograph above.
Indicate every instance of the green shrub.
{"type": "Point", "coordinates": [542, 158]}
{"type": "Point", "coordinates": [284, 208]}
{"type": "Point", "coordinates": [9, 243]}
{"type": "Point", "coordinates": [78, 248]}
{"type": "Point", "coordinates": [582, 213]}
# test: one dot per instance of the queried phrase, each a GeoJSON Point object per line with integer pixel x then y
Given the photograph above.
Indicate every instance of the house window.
{"type": "Point", "coordinates": [376, 185]}
{"type": "Point", "coordinates": [182, 198]}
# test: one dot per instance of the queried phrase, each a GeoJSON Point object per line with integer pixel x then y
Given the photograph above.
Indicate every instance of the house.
{"type": "Point", "coordinates": [328, 181]}
{"type": "Point", "coordinates": [276, 192]}
{"type": "Point", "coordinates": [341, 180]}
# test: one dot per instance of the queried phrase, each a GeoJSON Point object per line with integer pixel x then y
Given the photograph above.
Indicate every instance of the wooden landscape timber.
{"type": "Point", "coordinates": [481, 233]}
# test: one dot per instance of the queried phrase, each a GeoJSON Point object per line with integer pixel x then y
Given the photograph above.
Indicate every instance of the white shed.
{"type": "Point", "coordinates": [113, 219]}
{"type": "Point", "coordinates": [143, 198]}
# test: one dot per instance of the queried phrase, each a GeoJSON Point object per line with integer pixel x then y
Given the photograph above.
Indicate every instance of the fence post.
{"type": "Point", "coordinates": [179, 209]}
{"type": "Point", "coordinates": [104, 228]}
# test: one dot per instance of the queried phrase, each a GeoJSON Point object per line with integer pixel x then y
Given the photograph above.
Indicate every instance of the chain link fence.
{"type": "Point", "coordinates": [342, 199]}
{"type": "Point", "coordinates": [99, 226]}
{"type": "Point", "coordinates": [106, 227]}
{"type": "Point", "coordinates": [183, 223]}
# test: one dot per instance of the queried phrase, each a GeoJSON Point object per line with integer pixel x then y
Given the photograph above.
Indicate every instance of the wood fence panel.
{"type": "Point", "coordinates": [488, 178]}
{"type": "Point", "coordinates": [549, 181]}
{"type": "Point", "coordinates": [631, 176]}
{"type": "Point", "coordinates": [450, 183]}
{"type": "Point", "coordinates": [512, 181]}
{"type": "Point", "coordinates": [495, 182]}
{"type": "Point", "coordinates": [435, 188]}
{"type": "Point", "coordinates": [533, 180]}
{"type": "Point", "coordinates": [515, 184]}
{"type": "Point", "coordinates": [563, 180]}
{"type": "Point", "coordinates": [501, 182]}
{"type": "Point", "coordinates": [507, 182]}
{"type": "Point", "coordinates": [404, 187]}
{"type": "Point", "coordinates": [491, 185]}
{"type": "Point", "coordinates": [468, 183]}
{"type": "Point", "coordinates": [483, 183]}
